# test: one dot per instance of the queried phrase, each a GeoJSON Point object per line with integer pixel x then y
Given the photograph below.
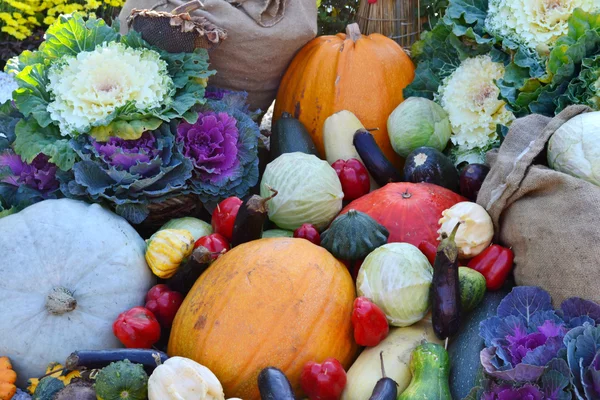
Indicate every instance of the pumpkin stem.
{"type": "Point", "coordinates": [406, 195]}
{"type": "Point", "coordinates": [188, 7]}
{"type": "Point", "coordinates": [353, 32]}
{"type": "Point", "coordinates": [60, 301]}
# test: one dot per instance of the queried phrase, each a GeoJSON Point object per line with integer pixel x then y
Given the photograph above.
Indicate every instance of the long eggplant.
{"type": "Point", "coordinates": [380, 168]}
{"type": "Point", "coordinates": [445, 288]}
{"type": "Point", "coordinates": [250, 219]}
{"type": "Point", "coordinates": [91, 359]}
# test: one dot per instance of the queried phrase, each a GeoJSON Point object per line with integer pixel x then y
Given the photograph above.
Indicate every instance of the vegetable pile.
{"type": "Point", "coordinates": [344, 255]}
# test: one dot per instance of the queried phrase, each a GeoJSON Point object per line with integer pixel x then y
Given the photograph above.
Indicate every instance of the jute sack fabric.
{"type": "Point", "coordinates": [551, 220]}
{"type": "Point", "coordinates": [262, 38]}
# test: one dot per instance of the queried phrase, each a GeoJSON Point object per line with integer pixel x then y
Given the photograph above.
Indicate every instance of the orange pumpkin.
{"type": "Point", "coordinates": [277, 302]}
{"type": "Point", "coordinates": [8, 377]}
{"type": "Point", "coordinates": [361, 74]}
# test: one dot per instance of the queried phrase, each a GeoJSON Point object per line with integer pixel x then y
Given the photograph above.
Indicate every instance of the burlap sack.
{"type": "Point", "coordinates": [550, 219]}
{"type": "Point", "coordinates": [262, 38]}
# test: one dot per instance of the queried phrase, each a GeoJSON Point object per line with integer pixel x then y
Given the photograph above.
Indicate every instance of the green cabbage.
{"type": "Point", "coordinates": [417, 122]}
{"type": "Point", "coordinates": [575, 148]}
{"type": "Point", "coordinates": [309, 191]}
{"type": "Point", "coordinates": [397, 277]}
{"type": "Point", "coordinates": [195, 226]}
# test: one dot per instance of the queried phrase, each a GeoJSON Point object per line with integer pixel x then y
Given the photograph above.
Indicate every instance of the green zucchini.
{"type": "Point", "coordinates": [289, 136]}
{"type": "Point", "coordinates": [430, 368]}
{"type": "Point", "coordinates": [472, 288]}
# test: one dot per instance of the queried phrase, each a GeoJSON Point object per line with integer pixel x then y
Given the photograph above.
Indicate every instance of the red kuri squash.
{"type": "Point", "coordinates": [409, 211]}
{"type": "Point", "coordinates": [277, 302]}
{"type": "Point", "coordinates": [354, 72]}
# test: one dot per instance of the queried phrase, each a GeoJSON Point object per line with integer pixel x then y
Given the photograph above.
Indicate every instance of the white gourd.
{"type": "Point", "coordinates": [67, 270]}
{"type": "Point", "coordinates": [180, 378]}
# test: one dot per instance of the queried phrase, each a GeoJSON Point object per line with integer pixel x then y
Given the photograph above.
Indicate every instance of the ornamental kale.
{"type": "Point", "coordinates": [21, 183]}
{"type": "Point", "coordinates": [528, 344]}
{"type": "Point", "coordinates": [87, 79]}
{"type": "Point", "coordinates": [128, 174]}
{"type": "Point", "coordinates": [223, 148]}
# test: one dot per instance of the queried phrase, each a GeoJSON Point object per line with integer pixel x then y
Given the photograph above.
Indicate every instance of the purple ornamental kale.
{"type": "Point", "coordinates": [39, 174]}
{"type": "Point", "coordinates": [508, 392]}
{"type": "Point", "coordinates": [212, 146]}
{"type": "Point", "coordinates": [222, 146]}
{"type": "Point", "coordinates": [124, 154]}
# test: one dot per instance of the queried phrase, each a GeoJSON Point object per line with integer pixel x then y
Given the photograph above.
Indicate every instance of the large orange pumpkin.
{"type": "Point", "coordinates": [362, 74]}
{"type": "Point", "coordinates": [271, 302]}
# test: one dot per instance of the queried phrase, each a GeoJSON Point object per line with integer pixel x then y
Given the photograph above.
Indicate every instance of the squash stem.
{"type": "Point", "coordinates": [353, 32]}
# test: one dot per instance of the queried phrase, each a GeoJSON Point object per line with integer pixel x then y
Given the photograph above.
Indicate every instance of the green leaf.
{"type": "Point", "coordinates": [438, 54]}
{"type": "Point", "coordinates": [31, 97]}
{"type": "Point", "coordinates": [128, 130]}
{"type": "Point", "coordinates": [26, 58]}
{"type": "Point", "coordinates": [187, 68]}
{"type": "Point", "coordinates": [32, 139]}
{"type": "Point", "coordinates": [467, 18]}
{"type": "Point", "coordinates": [73, 34]}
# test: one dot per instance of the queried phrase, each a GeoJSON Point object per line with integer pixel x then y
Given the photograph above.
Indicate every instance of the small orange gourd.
{"type": "Point", "coordinates": [362, 74]}
{"type": "Point", "coordinates": [8, 377]}
{"type": "Point", "coordinates": [277, 302]}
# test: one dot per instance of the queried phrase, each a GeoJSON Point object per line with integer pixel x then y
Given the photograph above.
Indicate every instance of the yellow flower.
{"type": "Point", "coordinates": [49, 20]}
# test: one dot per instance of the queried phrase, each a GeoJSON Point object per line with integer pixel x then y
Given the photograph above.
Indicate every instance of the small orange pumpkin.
{"type": "Point", "coordinates": [361, 74]}
{"type": "Point", "coordinates": [277, 302]}
{"type": "Point", "coordinates": [8, 377]}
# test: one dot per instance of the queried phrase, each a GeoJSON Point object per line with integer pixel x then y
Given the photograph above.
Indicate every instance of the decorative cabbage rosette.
{"type": "Point", "coordinates": [222, 146]}
{"type": "Point", "coordinates": [87, 79]}
{"type": "Point", "coordinates": [128, 174]}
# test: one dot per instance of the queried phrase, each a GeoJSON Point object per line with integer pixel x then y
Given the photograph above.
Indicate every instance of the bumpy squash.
{"type": "Point", "coordinates": [167, 249]}
{"type": "Point", "coordinates": [54, 370]}
{"type": "Point", "coordinates": [353, 236]}
{"type": "Point", "coordinates": [8, 377]}
{"type": "Point", "coordinates": [122, 380]}
{"type": "Point", "coordinates": [277, 302]}
{"type": "Point", "coordinates": [67, 269]}
{"type": "Point", "coordinates": [361, 74]}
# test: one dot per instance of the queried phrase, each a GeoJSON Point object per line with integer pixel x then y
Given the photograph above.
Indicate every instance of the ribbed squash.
{"type": "Point", "coordinates": [8, 377]}
{"type": "Point", "coordinates": [277, 302]}
{"type": "Point", "coordinates": [167, 249]}
{"type": "Point", "coordinates": [361, 74]}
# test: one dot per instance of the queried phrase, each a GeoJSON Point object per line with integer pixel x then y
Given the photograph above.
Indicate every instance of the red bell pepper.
{"type": "Point", "coordinates": [164, 304]}
{"type": "Point", "coordinates": [429, 249]}
{"type": "Point", "coordinates": [324, 381]}
{"type": "Point", "coordinates": [370, 323]}
{"type": "Point", "coordinates": [137, 328]}
{"type": "Point", "coordinates": [495, 264]}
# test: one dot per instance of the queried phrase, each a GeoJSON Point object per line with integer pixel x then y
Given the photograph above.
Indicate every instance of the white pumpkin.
{"type": "Point", "coordinates": [180, 378]}
{"type": "Point", "coordinates": [67, 270]}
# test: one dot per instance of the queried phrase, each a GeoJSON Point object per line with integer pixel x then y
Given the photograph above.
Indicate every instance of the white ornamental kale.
{"type": "Point", "coordinates": [470, 97]}
{"type": "Point", "coordinates": [89, 87]}
{"type": "Point", "coordinates": [536, 24]}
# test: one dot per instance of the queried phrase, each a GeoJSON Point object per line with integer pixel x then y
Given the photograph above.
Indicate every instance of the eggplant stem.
{"type": "Point", "coordinates": [453, 234]}
{"type": "Point", "coordinates": [382, 366]}
{"type": "Point", "coordinates": [275, 192]}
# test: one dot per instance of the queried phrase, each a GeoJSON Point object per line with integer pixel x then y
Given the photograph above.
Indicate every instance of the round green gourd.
{"type": "Point", "coordinates": [472, 288]}
{"type": "Point", "coordinates": [122, 380]}
{"type": "Point", "coordinates": [353, 236]}
{"type": "Point", "coordinates": [430, 369]}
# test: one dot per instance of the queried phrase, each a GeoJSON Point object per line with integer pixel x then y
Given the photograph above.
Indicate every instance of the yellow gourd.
{"type": "Point", "coordinates": [167, 249]}
{"type": "Point", "coordinates": [8, 377]}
